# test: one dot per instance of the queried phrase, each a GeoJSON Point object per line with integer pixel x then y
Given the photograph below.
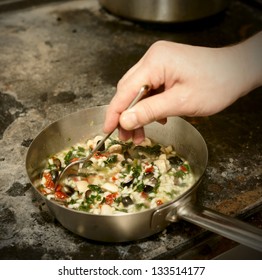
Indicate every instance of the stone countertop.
{"type": "Point", "coordinates": [57, 58]}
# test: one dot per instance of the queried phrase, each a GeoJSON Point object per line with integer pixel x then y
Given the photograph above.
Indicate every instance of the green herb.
{"type": "Point", "coordinates": [179, 174]}
{"type": "Point", "coordinates": [121, 210]}
{"type": "Point", "coordinates": [80, 152]}
{"type": "Point", "coordinates": [118, 199]}
{"type": "Point", "coordinates": [154, 150]}
{"type": "Point", "coordinates": [82, 174]}
{"type": "Point", "coordinates": [140, 187]}
{"type": "Point", "coordinates": [95, 188]}
{"type": "Point", "coordinates": [128, 168]}
{"type": "Point", "coordinates": [52, 166]}
{"type": "Point", "coordinates": [137, 169]}
{"type": "Point", "coordinates": [81, 149]}
{"type": "Point", "coordinates": [68, 157]}
{"type": "Point", "coordinates": [139, 206]}
{"type": "Point", "coordinates": [72, 201]}
{"type": "Point", "coordinates": [84, 207]}
{"type": "Point", "coordinates": [125, 145]}
{"type": "Point", "coordinates": [73, 153]}
{"type": "Point", "coordinates": [87, 164]}
{"type": "Point", "coordinates": [91, 199]}
{"type": "Point", "coordinates": [171, 194]}
{"type": "Point", "coordinates": [111, 159]}
{"type": "Point", "coordinates": [157, 184]}
{"type": "Point", "coordinates": [98, 198]}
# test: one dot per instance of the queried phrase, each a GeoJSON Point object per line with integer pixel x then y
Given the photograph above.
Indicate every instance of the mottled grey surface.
{"type": "Point", "coordinates": [62, 57]}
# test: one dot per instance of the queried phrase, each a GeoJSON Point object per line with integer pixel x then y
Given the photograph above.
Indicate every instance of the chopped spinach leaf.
{"type": "Point", "coordinates": [154, 150]}
{"type": "Point", "coordinates": [137, 169]}
{"type": "Point", "coordinates": [140, 187]}
{"type": "Point", "coordinates": [180, 174]}
{"type": "Point", "coordinates": [125, 145]}
{"type": "Point", "coordinates": [95, 188]}
{"type": "Point", "coordinates": [111, 159]}
{"type": "Point", "coordinates": [139, 206]}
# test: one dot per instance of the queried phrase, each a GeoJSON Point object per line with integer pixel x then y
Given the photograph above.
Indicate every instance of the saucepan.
{"type": "Point", "coordinates": [188, 143]}
{"type": "Point", "coordinates": [165, 10]}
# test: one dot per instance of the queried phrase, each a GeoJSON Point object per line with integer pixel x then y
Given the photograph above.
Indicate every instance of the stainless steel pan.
{"type": "Point", "coordinates": [186, 140]}
{"type": "Point", "coordinates": [165, 10]}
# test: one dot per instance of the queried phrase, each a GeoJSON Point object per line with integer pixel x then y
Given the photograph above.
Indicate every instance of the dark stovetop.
{"type": "Point", "coordinates": [58, 57]}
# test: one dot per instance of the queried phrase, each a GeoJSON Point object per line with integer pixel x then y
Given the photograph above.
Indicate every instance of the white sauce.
{"type": "Point", "coordinates": [115, 184]}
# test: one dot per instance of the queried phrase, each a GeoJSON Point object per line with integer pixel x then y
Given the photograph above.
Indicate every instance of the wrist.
{"type": "Point", "coordinates": [249, 53]}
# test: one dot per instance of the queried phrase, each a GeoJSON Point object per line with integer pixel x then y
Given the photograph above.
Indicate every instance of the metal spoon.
{"type": "Point", "coordinates": [73, 167]}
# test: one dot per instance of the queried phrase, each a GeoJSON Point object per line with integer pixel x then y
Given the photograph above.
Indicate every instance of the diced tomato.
{"type": "Point", "coordinates": [58, 188]}
{"type": "Point", "coordinates": [60, 195]}
{"type": "Point", "coordinates": [98, 155]}
{"type": "Point", "coordinates": [110, 198]}
{"type": "Point", "coordinates": [74, 159]}
{"type": "Point", "coordinates": [75, 179]}
{"type": "Point", "coordinates": [183, 168]}
{"type": "Point", "coordinates": [49, 182]}
{"type": "Point", "coordinates": [114, 178]}
{"type": "Point", "coordinates": [144, 195]}
{"type": "Point", "coordinates": [149, 169]}
{"type": "Point", "coordinates": [159, 202]}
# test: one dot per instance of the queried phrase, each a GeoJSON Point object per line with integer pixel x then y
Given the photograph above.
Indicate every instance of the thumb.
{"type": "Point", "coordinates": [150, 109]}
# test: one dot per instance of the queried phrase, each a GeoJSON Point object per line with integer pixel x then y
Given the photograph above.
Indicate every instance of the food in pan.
{"type": "Point", "coordinates": [120, 178]}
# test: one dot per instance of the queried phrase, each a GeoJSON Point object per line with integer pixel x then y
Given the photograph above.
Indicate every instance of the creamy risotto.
{"type": "Point", "coordinates": [120, 178]}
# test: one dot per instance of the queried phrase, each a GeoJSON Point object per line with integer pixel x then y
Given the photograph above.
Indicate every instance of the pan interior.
{"type": "Point", "coordinates": [88, 123]}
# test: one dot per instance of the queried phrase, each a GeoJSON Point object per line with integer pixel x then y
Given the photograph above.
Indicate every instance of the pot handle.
{"type": "Point", "coordinates": [221, 224]}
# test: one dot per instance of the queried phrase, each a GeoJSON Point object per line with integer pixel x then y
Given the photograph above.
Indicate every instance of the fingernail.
{"type": "Point", "coordinates": [129, 120]}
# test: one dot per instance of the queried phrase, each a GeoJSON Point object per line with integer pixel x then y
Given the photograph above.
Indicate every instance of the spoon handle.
{"type": "Point", "coordinates": [143, 91]}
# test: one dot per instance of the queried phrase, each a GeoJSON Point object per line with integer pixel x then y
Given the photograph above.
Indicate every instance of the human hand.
{"type": "Point", "coordinates": [197, 81]}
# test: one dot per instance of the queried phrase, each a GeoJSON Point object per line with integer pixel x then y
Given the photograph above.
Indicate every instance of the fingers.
{"type": "Point", "coordinates": [138, 135]}
{"type": "Point", "coordinates": [123, 134]}
{"type": "Point", "coordinates": [127, 89]}
{"type": "Point", "coordinates": [154, 108]}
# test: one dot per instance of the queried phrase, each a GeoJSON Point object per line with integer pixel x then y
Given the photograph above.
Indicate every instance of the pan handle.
{"type": "Point", "coordinates": [221, 224]}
